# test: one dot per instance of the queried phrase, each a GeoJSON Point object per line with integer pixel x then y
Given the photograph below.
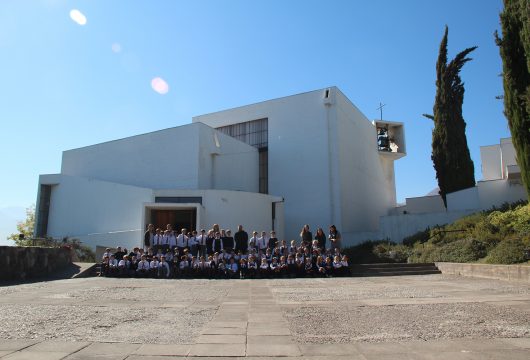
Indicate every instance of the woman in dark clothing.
{"type": "Point", "coordinates": [321, 237]}
{"type": "Point", "coordinates": [306, 236]}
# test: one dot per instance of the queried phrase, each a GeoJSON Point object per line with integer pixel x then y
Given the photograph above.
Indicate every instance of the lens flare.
{"type": "Point", "coordinates": [78, 17]}
{"type": "Point", "coordinates": [116, 48]}
{"type": "Point", "coordinates": [160, 85]}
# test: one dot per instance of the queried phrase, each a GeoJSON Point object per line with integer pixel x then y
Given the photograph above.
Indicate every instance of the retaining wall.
{"type": "Point", "coordinates": [499, 272]}
{"type": "Point", "coordinates": [19, 263]}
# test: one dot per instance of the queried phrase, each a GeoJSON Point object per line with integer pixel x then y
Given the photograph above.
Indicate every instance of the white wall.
{"type": "Point", "coordinates": [179, 157]}
{"type": "Point", "coordinates": [232, 208]}
{"type": "Point", "coordinates": [323, 159]}
{"type": "Point", "coordinates": [466, 199]}
{"type": "Point", "coordinates": [153, 160]}
{"type": "Point", "coordinates": [397, 227]}
{"type": "Point", "coordinates": [491, 159]}
{"type": "Point", "coordinates": [96, 212]}
{"type": "Point", "coordinates": [496, 193]}
{"type": "Point", "coordinates": [299, 167]}
{"type": "Point", "coordinates": [508, 153]}
{"type": "Point", "coordinates": [235, 165]}
{"type": "Point", "coordinates": [367, 188]}
{"type": "Point", "coordinates": [424, 204]}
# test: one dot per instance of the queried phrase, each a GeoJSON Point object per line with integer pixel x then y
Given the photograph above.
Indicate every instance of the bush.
{"type": "Point", "coordinates": [509, 251]}
{"type": "Point", "coordinates": [419, 237]}
{"type": "Point", "coordinates": [464, 250]}
{"type": "Point", "coordinates": [378, 251]}
{"type": "Point", "coordinates": [488, 235]}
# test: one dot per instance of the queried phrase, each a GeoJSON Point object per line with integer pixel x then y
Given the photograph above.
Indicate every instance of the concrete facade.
{"type": "Point", "coordinates": [322, 151]}
{"type": "Point", "coordinates": [323, 167]}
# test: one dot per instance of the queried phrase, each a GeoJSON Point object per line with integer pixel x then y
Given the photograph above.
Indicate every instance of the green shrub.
{"type": "Point", "coordinates": [464, 250]}
{"type": "Point", "coordinates": [509, 251]}
{"type": "Point", "coordinates": [419, 237]}
{"type": "Point", "coordinates": [377, 251]}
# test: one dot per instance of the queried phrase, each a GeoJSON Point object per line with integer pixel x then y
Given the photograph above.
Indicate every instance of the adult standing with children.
{"type": "Point", "coordinates": [335, 238]}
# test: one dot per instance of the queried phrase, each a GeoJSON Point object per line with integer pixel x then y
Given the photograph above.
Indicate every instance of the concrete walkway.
{"type": "Point", "coordinates": [250, 322]}
{"type": "Point", "coordinates": [236, 346]}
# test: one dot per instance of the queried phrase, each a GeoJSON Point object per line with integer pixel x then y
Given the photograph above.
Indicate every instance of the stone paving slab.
{"type": "Point", "coordinates": [222, 339]}
{"type": "Point", "coordinates": [224, 331]}
{"type": "Point", "coordinates": [271, 340]}
{"type": "Point", "coordinates": [34, 355]}
{"type": "Point", "coordinates": [109, 349]}
{"type": "Point", "coordinates": [165, 350]}
{"type": "Point", "coordinates": [14, 345]}
{"type": "Point", "coordinates": [255, 331]}
{"type": "Point", "coordinates": [263, 349]}
{"type": "Point", "coordinates": [58, 346]}
{"type": "Point", "coordinates": [231, 350]}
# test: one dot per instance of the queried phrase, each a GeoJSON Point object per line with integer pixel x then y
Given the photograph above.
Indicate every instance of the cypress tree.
{"type": "Point", "coordinates": [450, 154]}
{"type": "Point", "coordinates": [515, 53]}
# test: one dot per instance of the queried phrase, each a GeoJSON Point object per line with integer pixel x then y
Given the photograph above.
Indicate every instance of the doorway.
{"type": "Point", "coordinates": [179, 219]}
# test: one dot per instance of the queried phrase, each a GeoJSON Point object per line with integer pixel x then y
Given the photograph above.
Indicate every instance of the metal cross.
{"type": "Point", "coordinates": [380, 108]}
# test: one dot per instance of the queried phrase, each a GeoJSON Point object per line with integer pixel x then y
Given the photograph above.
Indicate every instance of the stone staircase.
{"type": "Point", "coordinates": [394, 269]}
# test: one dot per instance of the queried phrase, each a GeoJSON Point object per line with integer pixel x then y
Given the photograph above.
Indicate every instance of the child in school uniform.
{"type": "Point", "coordinates": [346, 270]}
{"type": "Point", "coordinates": [299, 262]}
{"type": "Point", "coordinates": [113, 266]}
{"type": "Point", "coordinates": [337, 266]}
{"type": "Point", "coordinates": [252, 267]}
{"type": "Point", "coordinates": [194, 267]}
{"type": "Point", "coordinates": [284, 251]}
{"type": "Point", "coordinates": [243, 268]}
{"type": "Point", "coordinates": [142, 269]}
{"type": "Point", "coordinates": [264, 269]}
{"type": "Point", "coordinates": [283, 267]}
{"type": "Point", "coordinates": [291, 266]}
{"type": "Point", "coordinates": [163, 268]}
{"type": "Point", "coordinates": [221, 270]}
{"type": "Point", "coordinates": [292, 248]}
{"type": "Point", "coordinates": [309, 268]}
{"type": "Point", "coordinates": [153, 268]}
{"type": "Point", "coordinates": [212, 267]}
{"type": "Point", "coordinates": [321, 265]}
{"type": "Point", "coordinates": [204, 267]}
{"type": "Point", "coordinates": [232, 270]}
{"type": "Point", "coordinates": [329, 267]}
{"type": "Point", "coordinates": [184, 266]}
{"type": "Point", "coordinates": [268, 256]}
{"type": "Point", "coordinates": [274, 268]}
{"type": "Point", "coordinates": [124, 266]}
{"type": "Point", "coordinates": [104, 266]}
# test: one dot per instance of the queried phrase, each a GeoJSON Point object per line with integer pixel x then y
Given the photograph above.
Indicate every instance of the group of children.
{"type": "Point", "coordinates": [280, 261]}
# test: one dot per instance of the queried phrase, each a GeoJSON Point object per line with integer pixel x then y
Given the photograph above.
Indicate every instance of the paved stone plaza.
{"type": "Point", "coordinates": [414, 317]}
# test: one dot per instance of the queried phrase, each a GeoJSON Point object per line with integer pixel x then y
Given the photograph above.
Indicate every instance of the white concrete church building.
{"type": "Point", "coordinates": [311, 158]}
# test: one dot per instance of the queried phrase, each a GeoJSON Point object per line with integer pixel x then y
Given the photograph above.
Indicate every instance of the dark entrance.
{"type": "Point", "coordinates": [179, 219]}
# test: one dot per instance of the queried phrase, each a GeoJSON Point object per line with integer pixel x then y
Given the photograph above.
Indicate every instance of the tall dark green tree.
{"type": "Point", "coordinates": [515, 53]}
{"type": "Point", "coordinates": [450, 154]}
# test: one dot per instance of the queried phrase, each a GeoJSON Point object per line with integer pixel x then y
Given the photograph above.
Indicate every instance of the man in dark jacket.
{"type": "Point", "coordinates": [241, 240]}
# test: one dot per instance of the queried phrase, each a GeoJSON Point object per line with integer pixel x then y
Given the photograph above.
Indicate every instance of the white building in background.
{"type": "Point", "coordinates": [501, 183]}
{"type": "Point", "coordinates": [311, 158]}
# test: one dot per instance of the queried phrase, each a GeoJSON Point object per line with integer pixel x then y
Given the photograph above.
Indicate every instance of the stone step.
{"type": "Point", "coordinates": [394, 269]}
{"type": "Point", "coordinates": [396, 273]}
{"type": "Point", "coordinates": [401, 268]}
{"type": "Point", "coordinates": [393, 265]}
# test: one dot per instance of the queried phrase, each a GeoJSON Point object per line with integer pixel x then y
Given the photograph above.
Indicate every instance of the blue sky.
{"type": "Point", "coordinates": [65, 85]}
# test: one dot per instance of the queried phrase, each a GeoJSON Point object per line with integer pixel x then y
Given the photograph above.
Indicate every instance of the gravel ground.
{"type": "Point", "coordinates": [338, 310]}
{"type": "Point", "coordinates": [319, 325]}
{"type": "Point", "coordinates": [108, 324]}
